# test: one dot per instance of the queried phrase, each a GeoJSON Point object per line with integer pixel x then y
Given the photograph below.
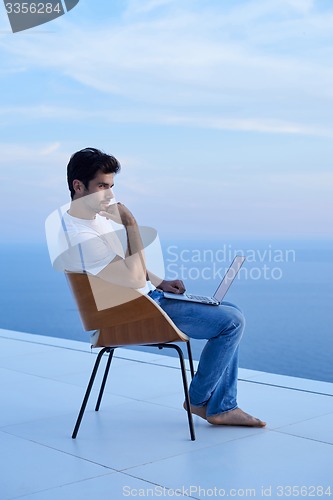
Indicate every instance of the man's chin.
{"type": "Point", "coordinates": [104, 205]}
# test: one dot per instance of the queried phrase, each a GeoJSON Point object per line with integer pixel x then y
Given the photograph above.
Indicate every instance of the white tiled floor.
{"type": "Point", "coordinates": [138, 444]}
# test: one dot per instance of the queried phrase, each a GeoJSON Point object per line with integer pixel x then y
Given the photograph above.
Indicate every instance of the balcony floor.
{"type": "Point", "coordinates": [138, 444]}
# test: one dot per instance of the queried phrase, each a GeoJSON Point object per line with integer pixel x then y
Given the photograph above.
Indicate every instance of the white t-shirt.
{"type": "Point", "coordinates": [82, 245]}
{"type": "Point", "coordinates": [92, 244]}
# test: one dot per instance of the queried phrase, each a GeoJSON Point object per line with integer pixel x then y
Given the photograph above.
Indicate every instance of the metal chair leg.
{"type": "Point", "coordinates": [88, 391]}
{"type": "Point", "coordinates": [190, 358]}
{"type": "Point", "coordinates": [106, 373]}
{"type": "Point", "coordinates": [186, 393]}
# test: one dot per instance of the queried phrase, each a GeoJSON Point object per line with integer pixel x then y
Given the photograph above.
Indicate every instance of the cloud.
{"type": "Point", "coordinates": [51, 149]}
{"type": "Point", "coordinates": [29, 153]}
{"type": "Point", "coordinates": [251, 125]}
{"type": "Point", "coordinates": [138, 6]}
{"type": "Point", "coordinates": [38, 169]}
{"type": "Point", "coordinates": [302, 6]}
{"type": "Point", "coordinates": [243, 64]}
{"type": "Point", "coordinates": [182, 73]}
{"type": "Point", "coordinates": [165, 117]}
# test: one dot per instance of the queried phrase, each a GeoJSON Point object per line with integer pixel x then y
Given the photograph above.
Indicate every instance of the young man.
{"type": "Point", "coordinates": [98, 250]}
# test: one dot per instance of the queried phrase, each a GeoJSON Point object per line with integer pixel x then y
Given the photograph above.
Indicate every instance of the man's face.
{"type": "Point", "coordinates": [99, 193]}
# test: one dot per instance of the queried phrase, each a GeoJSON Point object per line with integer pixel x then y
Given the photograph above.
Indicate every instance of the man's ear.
{"type": "Point", "coordinates": [77, 185]}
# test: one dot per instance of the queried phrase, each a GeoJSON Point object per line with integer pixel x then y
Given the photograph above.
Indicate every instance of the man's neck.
{"type": "Point", "coordinates": [79, 211]}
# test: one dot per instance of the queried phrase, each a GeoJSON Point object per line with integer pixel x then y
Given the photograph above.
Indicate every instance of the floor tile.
{"type": "Point", "coordinates": [27, 397]}
{"type": "Point", "coordinates": [265, 460]}
{"type": "Point", "coordinates": [143, 381]}
{"type": "Point", "coordinates": [48, 363]}
{"type": "Point", "coordinates": [28, 467]}
{"type": "Point", "coordinates": [114, 486]}
{"type": "Point", "coordinates": [18, 349]}
{"type": "Point", "coordinates": [125, 435]}
{"type": "Point", "coordinates": [57, 363]}
{"type": "Point", "coordinates": [278, 406]}
{"type": "Point", "coordinates": [319, 429]}
{"type": "Point", "coordinates": [149, 356]}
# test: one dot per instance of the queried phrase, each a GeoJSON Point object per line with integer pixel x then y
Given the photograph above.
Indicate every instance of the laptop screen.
{"type": "Point", "coordinates": [229, 277]}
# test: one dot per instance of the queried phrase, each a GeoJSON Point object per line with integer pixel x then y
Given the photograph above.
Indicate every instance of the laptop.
{"type": "Point", "coordinates": [222, 289]}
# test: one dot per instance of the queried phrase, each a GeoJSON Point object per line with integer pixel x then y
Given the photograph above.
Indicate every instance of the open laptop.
{"type": "Point", "coordinates": [222, 289]}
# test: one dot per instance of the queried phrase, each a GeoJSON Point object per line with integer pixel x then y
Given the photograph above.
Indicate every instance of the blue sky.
{"type": "Point", "coordinates": [219, 111]}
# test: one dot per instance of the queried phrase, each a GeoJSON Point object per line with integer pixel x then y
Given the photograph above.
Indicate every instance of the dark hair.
{"type": "Point", "coordinates": [84, 165]}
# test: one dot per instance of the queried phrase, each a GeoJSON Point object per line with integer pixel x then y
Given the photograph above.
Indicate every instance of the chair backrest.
{"type": "Point", "coordinates": [122, 315]}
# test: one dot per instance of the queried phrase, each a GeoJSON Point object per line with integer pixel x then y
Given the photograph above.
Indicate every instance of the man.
{"type": "Point", "coordinates": [96, 249]}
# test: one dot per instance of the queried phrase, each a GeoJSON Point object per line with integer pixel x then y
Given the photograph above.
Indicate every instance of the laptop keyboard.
{"type": "Point", "coordinates": [206, 300]}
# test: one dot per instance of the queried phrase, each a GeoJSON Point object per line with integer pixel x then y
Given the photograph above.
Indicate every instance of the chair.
{"type": "Point", "coordinates": [124, 316]}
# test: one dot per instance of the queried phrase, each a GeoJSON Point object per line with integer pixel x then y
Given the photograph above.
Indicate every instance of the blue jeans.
{"type": "Point", "coordinates": [215, 382]}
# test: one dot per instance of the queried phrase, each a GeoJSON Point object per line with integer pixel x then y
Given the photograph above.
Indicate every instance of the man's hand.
{"type": "Point", "coordinates": [173, 286]}
{"type": "Point", "coordinates": [119, 213]}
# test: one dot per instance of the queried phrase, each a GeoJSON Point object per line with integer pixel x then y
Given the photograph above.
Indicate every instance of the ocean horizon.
{"type": "Point", "coordinates": [285, 290]}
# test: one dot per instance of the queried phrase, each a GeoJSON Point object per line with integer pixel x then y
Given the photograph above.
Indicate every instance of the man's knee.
{"type": "Point", "coordinates": [236, 321]}
{"type": "Point", "coordinates": [238, 318]}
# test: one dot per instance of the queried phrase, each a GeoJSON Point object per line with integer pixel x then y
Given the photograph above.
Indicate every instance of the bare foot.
{"type": "Point", "coordinates": [235, 417]}
{"type": "Point", "coordinates": [197, 410]}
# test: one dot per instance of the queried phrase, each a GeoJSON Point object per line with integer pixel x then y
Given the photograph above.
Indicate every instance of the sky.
{"type": "Point", "coordinates": [220, 113]}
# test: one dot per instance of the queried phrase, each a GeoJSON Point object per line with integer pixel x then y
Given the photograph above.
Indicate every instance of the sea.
{"type": "Point", "coordinates": [285, 289]}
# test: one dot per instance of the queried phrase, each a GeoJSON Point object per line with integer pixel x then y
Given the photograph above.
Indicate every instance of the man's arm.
{"type": "Point", "coordinates": [130, 271]}
{"type": "Point", "coordinates": [172, 286]}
